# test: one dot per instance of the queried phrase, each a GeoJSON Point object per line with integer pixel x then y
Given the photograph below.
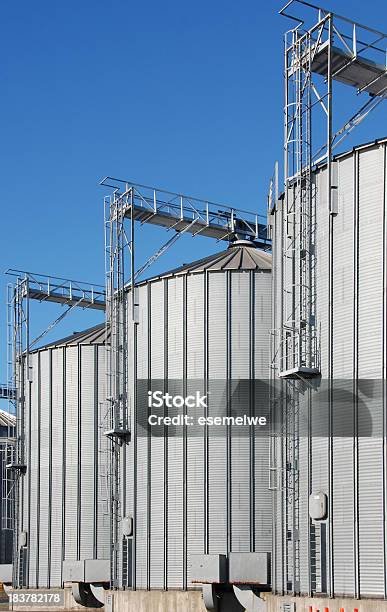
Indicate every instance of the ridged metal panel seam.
{"type": "Point", "coordinates": [370, 355]}
{"type": "Point", "coordinates": [175, 514]}
{"type": "Point", "coordinates": [171, 336]}
{"type": "Point", "coordinates": [343, 457]}
{"type": "Point", "coordinates": [218, 533]}
{"type": "Point", "coordinates": [87, 450]}
{"type": "Point", "coordinates": [195, 476]}
{"type": "Point", "coordinates": [44, 467]}
{"type": "Point", "coordinates": [57, 467]}
{"type": "Point", "coordinates": [240, 353]}
{"type": "Point", "coordinates": [72, 455]}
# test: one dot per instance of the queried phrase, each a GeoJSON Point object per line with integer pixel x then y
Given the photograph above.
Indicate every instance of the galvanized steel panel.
{"type": "Point", "coordinates": [144, 358]}
{"type": "Point", "coordinates": [175, 514]}
{"type": "Point", "coordinates": [240, 322]}
{"type": "Point", "coordinates": [217, 326]}
{"type": "Point", "coordinates": [175, 311]}
{"type": "Point", "coordinates": [261, 287]}
{"type": "Point", "coordinates": [304, 527]}
{"type": "Point", "coordinates": [183, 333]}
{"type": "Point", "coordinates": [57, 458]}
{"type": "Point", "coordinates": [241, 470]}
{"type": "Point", "coordinates": [195, 500]}
{"type": "Point", "coordinates": [174, 486]}
{"type": "Point", "coordinates": [103, 521]}
{"type": "Point", "coordinates": [371, 517]}
{"type": "Point", "coordinates": [142, 334]}
{"type": "Point", "coordinates": [33, 474]}
{"type": "Point", "coordinates": [370, 365]}
{"type": "Point", "coordinates": [242, 492]}
{"type": "Point", "coordinates": [88, 452]}
{"type": "Point", "coordinates": [343, 238]}
{"type": "Point", "coordinates": [218, 502]}
{"type": "Point", "coordinates": [196, 367]}
{"type": "Point", "coordinates": [371, 235]}
{"type": "Point", "coordinates": [56, 502]}
{"type": "Point", "coordinates": [44, 471]}
{"type": "Point", "coordinates": [141, 518]}
{"type": "Point", "coordinates": [357, 464]}
{"type": "Point", "coordinates": [343, 516]}
{"type": "Point", "coordinates": [157, 496]}
{"type": "Point", "coordinates": [263, 496]}
{"type": "Point", "coordinates": [72, 456]}
{"type": "Point", "coordinates": [195, 326]}
{"type": "Point", "coordinates": [204, 329]}
{"type": "Point", "coordinates": [322, 266]}
{"type": "Point", "coordinates": [157, 325]}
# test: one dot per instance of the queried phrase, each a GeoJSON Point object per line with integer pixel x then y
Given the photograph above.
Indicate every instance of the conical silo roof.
{"type": "Point", "coordinates": [90, 336]}
{"type": "Point", "coordinates": [240, 255]}
{"type": "Point", "coordinates": [7, 419]}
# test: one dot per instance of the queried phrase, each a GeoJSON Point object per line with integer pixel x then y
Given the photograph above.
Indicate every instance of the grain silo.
{"type": "Point", "coordinates": [62, 498]}
{"type": "Point", "coordinates": [195, 491]}
{"type": "Point", "coordinates": [7, 438]}
{"type": "Point", "coordinates": [331, 531]}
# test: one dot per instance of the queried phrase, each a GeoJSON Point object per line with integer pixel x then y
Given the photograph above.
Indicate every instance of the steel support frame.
{"type": "Point", "coordinates": [25, 287]}
{"type": "Point", "coordinates": [119, 250]}
{"type": "Point", "coordinates": [298, 338]}
{"type": "Point", "coordinates": [175, 211]}
{"type": "Point", "coordinates": [299, 334]}
{"type": "Point", "coordinates": [17, 344]}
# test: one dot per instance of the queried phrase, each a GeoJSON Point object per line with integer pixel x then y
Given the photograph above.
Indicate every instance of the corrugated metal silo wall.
{"type": "Point", "coordinates": [193, 494]}
{"type": "Point", "coordinates": [350, 469]}
{"type": "Point", "coordinates": [62, 496]}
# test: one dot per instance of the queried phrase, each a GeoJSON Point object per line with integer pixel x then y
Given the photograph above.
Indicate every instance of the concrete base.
{"type": "Point", "coordinates": [165, 601]}
{"type": "Point", "coordinates": [274, 603]}
{"type": "Point", "coordinates": [154, 601]}
{"type": "Point", "coordinates": [192, 601]}
{"type": "Point", "coordinates": [145, 601]}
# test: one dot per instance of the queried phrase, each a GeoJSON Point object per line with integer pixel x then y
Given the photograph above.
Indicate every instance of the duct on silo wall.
{"type": "Point", "coordinates": [349, 464]}
{"type": "Point", "coordinates": [190, 493]}
{"type": "Point", "coordinates": [62, 496]}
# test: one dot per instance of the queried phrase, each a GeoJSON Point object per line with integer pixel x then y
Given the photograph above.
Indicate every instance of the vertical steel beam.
{"type": "Point", "coordinates": [330, 308]}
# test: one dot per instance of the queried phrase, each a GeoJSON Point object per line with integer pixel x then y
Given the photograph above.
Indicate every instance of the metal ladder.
{"type": "Point", "coordinates": [299, 333]}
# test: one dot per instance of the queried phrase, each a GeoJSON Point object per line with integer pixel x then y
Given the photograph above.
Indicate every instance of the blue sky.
{"type": "Point", "coordinates": [186, 96]}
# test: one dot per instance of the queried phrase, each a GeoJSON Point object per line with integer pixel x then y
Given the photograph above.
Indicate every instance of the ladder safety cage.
{"type": "Point", "coordinates": [117, 245]}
